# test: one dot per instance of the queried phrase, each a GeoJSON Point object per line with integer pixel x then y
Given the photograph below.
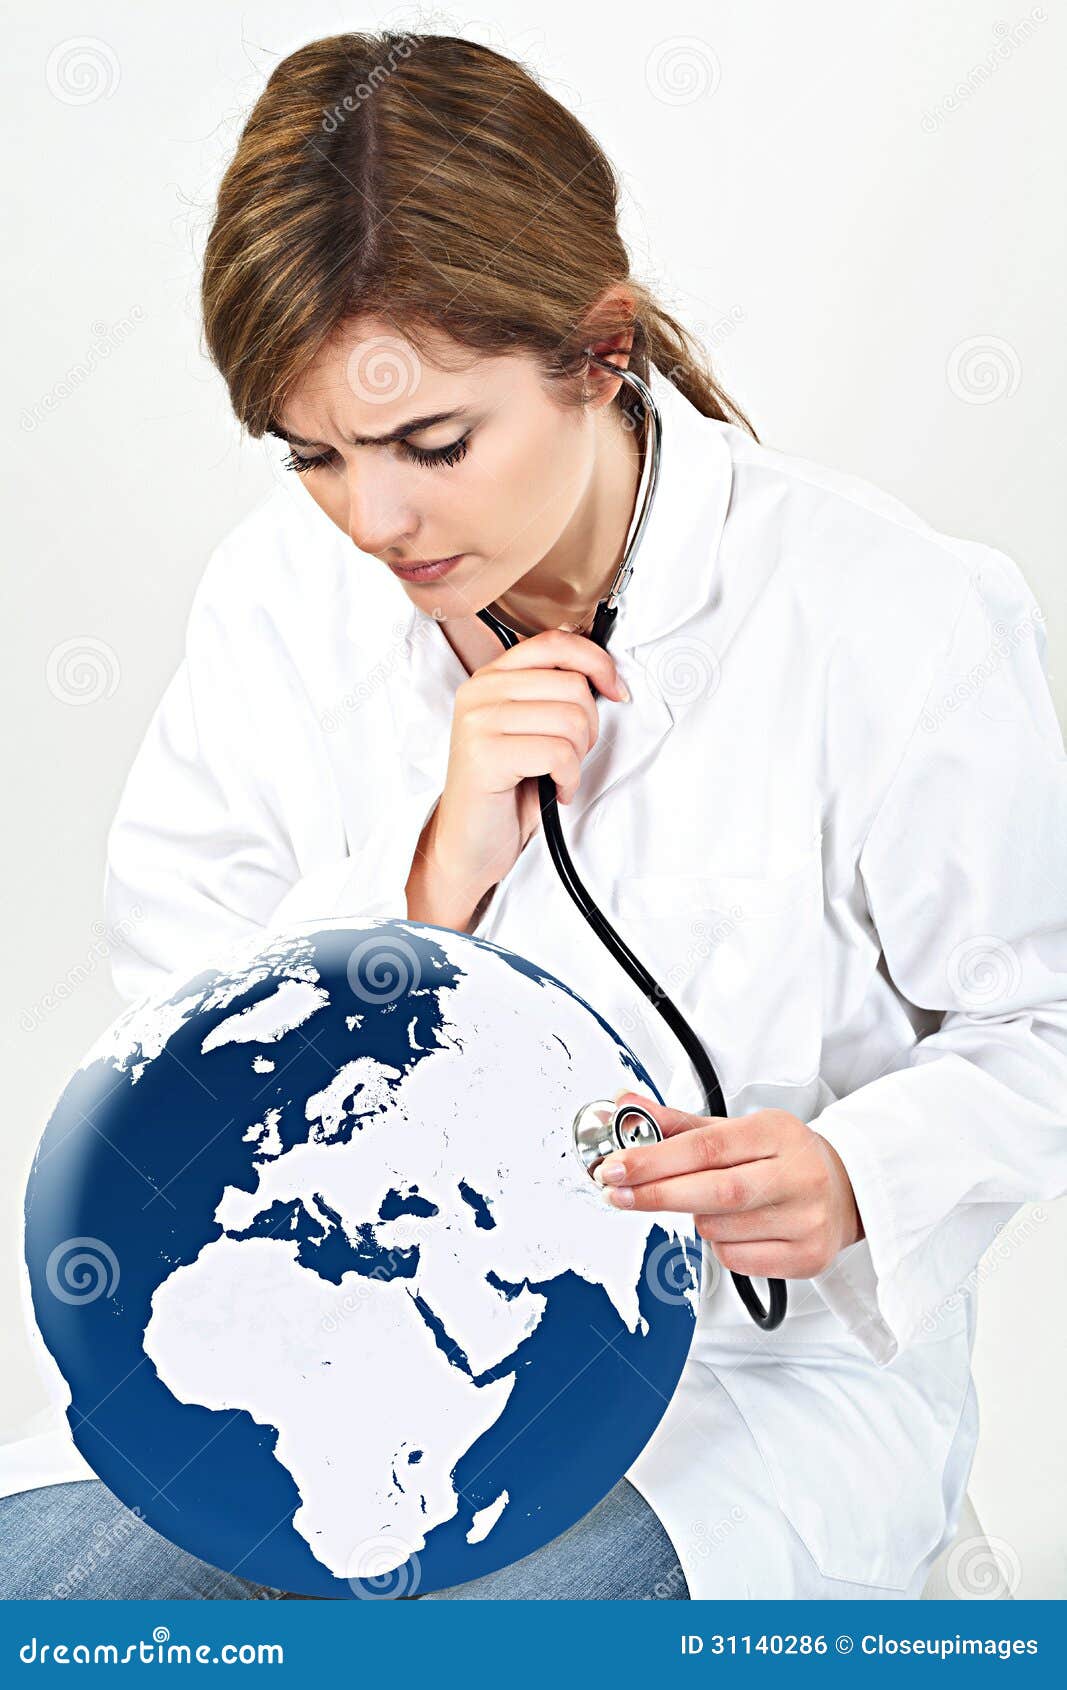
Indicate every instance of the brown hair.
{"type": "Point", "coordinates": [431, 181]}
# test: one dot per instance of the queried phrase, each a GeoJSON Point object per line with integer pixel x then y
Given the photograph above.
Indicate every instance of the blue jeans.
{"type": "Point", "coordinates": [77, 1540]}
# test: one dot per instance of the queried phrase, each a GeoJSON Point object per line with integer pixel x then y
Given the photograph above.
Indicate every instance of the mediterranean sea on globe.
{"type": "Point", "coordinates": [337, 1303]}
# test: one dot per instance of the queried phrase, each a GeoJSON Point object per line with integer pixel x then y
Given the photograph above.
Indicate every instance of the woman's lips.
{"type": "Point", "coordinates": [427, 571]}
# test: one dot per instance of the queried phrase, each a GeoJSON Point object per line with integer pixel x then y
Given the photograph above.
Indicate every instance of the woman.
{"type": "Point", "coordinates": [821, 793]}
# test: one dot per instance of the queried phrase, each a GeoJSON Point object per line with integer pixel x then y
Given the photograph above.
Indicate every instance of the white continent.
{"type": "Point", "coordinates": [352, 1374]}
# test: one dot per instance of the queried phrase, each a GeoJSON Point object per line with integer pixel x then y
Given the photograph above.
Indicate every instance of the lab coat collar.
{"type": "Point", "coordinates": [675, 563]}
{"type": "Point", "coordinates": [673, 579]}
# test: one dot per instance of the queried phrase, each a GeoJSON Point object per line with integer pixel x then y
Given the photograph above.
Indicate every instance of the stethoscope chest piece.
{"type": "Point", "coordinates": [600, 1128]}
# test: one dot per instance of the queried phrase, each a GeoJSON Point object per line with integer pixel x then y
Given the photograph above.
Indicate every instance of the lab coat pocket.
{"type": "Point", "coordinates": [740, 956]}
{"type": "Point", "coordinates": [864, 1460]}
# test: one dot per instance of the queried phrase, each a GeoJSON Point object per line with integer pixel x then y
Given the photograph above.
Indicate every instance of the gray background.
{"type": "Point", "coordinates": [859, 209]}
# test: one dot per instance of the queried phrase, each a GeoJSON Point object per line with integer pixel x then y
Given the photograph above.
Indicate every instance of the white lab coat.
{"type": "Point", "coordinates": [831, 822]}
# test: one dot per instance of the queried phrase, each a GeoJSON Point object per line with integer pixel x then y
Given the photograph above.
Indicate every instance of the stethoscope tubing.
{"type": "Point", "coordinates": [714, 1102]}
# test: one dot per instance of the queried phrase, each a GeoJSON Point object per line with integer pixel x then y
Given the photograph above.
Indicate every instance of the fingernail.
{"type": "Point", "coordinates": [621, 1196]}
{"type": "Point", "coordinates": [623, 1091]}
{"type": "Point", "coordinates": [624, 692]}
{"type": "Point", "coordinates": [611, 1171]}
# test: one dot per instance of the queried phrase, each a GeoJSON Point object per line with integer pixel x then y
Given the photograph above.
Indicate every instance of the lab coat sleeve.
{"type": "Point", "coordinates": [229, 820]}
{"type": "Point", "coordinates": [965, 874]}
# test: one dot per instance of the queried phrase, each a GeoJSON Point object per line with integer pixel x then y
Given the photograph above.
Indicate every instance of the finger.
{"type": "Point", "coordinates": [778, 1223]}
{"type": "Point", "coordinates": [723, 1193]}
{"type": "Point", "coordinates": [522, 685]}
{"type": "Point", "coordinates": [706, 1142]}
{"type": "Point", "coordinates": [537, 717]}
{"type": "Point", "coordinates": [556, 649]}
{"type": "Point", "coordinates": [534, 683]}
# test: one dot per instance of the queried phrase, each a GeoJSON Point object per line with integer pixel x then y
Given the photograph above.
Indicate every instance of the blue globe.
{"type": "Point", "coordinates": [339, 1308]}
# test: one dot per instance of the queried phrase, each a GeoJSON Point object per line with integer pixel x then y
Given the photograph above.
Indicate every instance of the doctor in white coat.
{"type": "Point", "coordinates": [831, 821]}
{"type": "Point", "coordinates": [830, 818]}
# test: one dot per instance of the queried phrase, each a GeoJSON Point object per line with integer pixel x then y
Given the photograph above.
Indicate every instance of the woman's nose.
{"type": "Point", "coordinates": [379, 515]}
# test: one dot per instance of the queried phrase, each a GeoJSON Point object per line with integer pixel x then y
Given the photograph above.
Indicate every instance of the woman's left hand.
{"type": "Point", "coordinates": [770, 1195]}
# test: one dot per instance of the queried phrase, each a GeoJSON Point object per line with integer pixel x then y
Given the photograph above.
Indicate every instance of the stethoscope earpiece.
{"type": "Point", "coordinates": [600, 1128]}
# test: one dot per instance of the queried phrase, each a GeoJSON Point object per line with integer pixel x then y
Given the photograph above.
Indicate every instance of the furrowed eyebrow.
{"type": "Point", "coordinates": [414, 426]}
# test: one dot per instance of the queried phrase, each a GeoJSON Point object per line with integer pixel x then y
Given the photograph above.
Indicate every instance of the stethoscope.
{"type": "Point", "coordinates": [599, 1127]}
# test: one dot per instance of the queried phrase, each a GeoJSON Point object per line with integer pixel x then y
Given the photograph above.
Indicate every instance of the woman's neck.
{"type": "Point", "coordinates": [571, 579]}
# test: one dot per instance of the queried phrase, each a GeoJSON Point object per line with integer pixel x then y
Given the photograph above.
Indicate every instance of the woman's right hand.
{"type": "Point", "coordinates": [527, 713]}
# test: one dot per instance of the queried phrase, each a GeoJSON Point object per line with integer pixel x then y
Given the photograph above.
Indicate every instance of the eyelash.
{"type": "Point", "coordinates": [448, 455]}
